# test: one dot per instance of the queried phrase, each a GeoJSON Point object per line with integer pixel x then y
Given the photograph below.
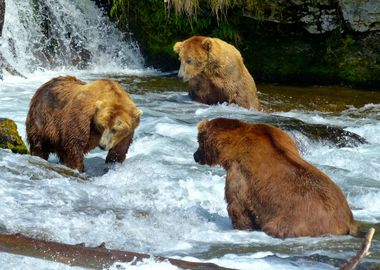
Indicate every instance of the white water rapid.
{"type": "Point", "coordinates": [159, 201]}
{"type": "Point", "coordinates": [57, 34]}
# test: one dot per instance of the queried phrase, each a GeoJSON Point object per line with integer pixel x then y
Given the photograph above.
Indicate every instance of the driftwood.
{"type": "Point", "coordinates": [351, 264]}
{"type": "Point", "coordinates": [88, 257]}
{"type": "Point", "coordinates": [100, 257]}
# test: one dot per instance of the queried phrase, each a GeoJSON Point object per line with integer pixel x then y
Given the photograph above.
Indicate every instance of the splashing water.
{"type": "Point", "coordinates": [159, 201]}
{"type": "Point", "coordinates": [65, 35]}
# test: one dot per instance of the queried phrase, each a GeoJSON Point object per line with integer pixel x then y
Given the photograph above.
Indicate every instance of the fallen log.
{"type": "Point", "coordinates": [87, 257]}
{"type": "Point", "coordinates": [100, 257]}
{"type": "Point", "coordinates": [366, 244]}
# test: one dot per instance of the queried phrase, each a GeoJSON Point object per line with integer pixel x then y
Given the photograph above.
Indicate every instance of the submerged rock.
{"type": "Point", "coordinates": [9, 137]}
{"type": "Point", "coordinates": [318, 132]}
{"type": "Point", "coordinates": [49, 170]}
{"type": "Point", "coordinates": [325, 134]}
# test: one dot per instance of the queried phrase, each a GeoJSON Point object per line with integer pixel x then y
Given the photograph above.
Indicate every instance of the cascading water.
{"type": "Point", "coordinates": [64, 34]}
{"type": "Point", "coordinates": [159, 200]}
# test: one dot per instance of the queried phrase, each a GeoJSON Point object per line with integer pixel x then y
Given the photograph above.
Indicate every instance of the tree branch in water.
{"type": "Point", "coordinates": [88, 257]}
{"type": "Point", "coordinates": [366, 244]}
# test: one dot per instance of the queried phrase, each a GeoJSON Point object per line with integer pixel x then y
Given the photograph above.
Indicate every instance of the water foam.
{"type": "Point", "coordinates": [161, 202]}
{"type": "Point", "coordinates": [65, 35]}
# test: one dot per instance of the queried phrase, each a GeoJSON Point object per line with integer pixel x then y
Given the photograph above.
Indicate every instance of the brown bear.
{"type": "Point", "coordinates": [269, 186]}
{"type": "Point", "coordinates": [216, 72]}
{"type": "Point", "coordinates": [69, 117]}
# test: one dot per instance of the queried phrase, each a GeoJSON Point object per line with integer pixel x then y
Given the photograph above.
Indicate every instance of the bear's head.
{"type": "Point", "coordinates": [194, 54]}
{"type": "Point", "coordinates": [115, 122]}
{"type": "Point", "coordinates": [216, 139]}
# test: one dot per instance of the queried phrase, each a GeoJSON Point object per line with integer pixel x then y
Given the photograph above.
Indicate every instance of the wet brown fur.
{"type": "Point", "coordinates": [216, 72]}
{"type": "Point", "coordinates": [68, 117]}
{"type": "Point", "coordinates": [269, 186]}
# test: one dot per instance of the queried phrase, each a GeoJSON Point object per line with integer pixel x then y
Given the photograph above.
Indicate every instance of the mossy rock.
{"type": "Point", "coordinates": [9, 137]}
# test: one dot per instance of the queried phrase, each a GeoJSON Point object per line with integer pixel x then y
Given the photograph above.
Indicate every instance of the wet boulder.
{"type": "Point", "coordinates": [326, 134]}
{"type": "Point", "coordinates": [9, 137]}
{"type": "Point", "coordinates": [318, 132]}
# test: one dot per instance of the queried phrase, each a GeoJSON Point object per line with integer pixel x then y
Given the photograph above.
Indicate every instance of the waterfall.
{"type": "Point", "coordinates": [65, 35]}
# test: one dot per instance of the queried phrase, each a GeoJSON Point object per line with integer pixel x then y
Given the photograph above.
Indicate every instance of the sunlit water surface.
{"type": "Point", "coordinates": [159, 201]}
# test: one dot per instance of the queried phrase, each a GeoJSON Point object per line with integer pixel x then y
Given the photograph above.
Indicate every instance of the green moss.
{"type": "Point", "coordinates": [159, 30]}
{"type": "Point", "coordinates": [9, 137]}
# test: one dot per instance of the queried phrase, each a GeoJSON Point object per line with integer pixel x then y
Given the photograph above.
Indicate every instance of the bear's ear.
{"type": "Point", "coordinates": [177, 46]}
{"type": "Point", "coordinates": [99, 105]}
{"type": "Point", "coordinates": [119, 123]}
{"type": "Point", "coordinates": [207, 44]}
{"type": "Point", "coordinates": [202, 124]}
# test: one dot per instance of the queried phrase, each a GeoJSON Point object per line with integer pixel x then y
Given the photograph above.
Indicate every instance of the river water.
{"type": "Point", "coordinates": [159, 201]}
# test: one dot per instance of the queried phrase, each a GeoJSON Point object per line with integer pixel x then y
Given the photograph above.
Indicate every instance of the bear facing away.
{"type": "Point", "coordinates": [216, 72]}
{"type": "Point", "coordinates": [269, 186]}
{"type": "Point", "coordinates": [69, 117]}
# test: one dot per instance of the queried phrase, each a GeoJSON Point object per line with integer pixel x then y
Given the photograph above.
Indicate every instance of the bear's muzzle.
{"type": "Point", "coordinates": [198, 157]}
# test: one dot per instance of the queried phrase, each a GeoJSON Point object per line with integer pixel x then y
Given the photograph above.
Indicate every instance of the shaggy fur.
{"type": "Point", "coordinates": [269, 186]}
{"type": "Point", "coordinates": [216, 72]}
{"type": "Point", "coordinates": [70, 117]}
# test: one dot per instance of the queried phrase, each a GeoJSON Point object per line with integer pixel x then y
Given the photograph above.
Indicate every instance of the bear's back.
{"type": "Point", "coordinates": [109, 90]}
{"type": "Point", "coordinates": [299, 187]}
{"type": "Point", "coordinates": [282, 149]}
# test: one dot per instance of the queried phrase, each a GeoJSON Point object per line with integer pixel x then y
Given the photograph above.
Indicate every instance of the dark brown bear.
{"type": "Point", "coordinates": [269, 186]}
{"type": "Point", "coordinates": [70, 117]}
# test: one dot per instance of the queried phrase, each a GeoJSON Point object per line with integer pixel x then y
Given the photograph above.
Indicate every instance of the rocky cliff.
{"type": "Point", "coordinates": [322, 16]}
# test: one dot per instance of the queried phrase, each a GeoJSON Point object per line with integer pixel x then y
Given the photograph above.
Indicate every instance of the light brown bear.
{"type": "Point", "coordinates": [216, 72]}
{"type": "Point", "coordinates": [269, 186]}
{"type": "Point", "coordinates": [70, 117]}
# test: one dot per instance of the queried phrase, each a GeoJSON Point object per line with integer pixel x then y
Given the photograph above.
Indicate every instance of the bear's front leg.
{"type": "Point", "coordinates": [73, 159]}
{"type": "Point", "coordinates": [119, 152]}
{"type": "Point", "coordinates": [238, 199]}
{"type": "Point", "coordinates": [37, 149]}
{"type": "Point", "coordinates": [241, 218]}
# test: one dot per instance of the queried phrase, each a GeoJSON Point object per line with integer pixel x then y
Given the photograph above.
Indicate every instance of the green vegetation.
{"type": "Point", "coordinates": [274, 51]}
{"type": "Point", "coordinates": [9, 137]}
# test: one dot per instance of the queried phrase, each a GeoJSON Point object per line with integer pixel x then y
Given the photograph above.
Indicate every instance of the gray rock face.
{"type": "Point", "coordinates": [2, 13]}
{"type": "Point", "coordinates": [320, 20]}
{"type": "Point", "coordinates": [325, 15]}
{"type": "Point", "coordinates": [361, 15]}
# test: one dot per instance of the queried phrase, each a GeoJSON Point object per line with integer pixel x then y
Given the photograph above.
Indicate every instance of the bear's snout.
{"type": "Point", "coordinates": [198, 157]}
{"type": "Point", "coordinates": [181, 72]}
{"type": "Point", "coordinates": [101, 146]}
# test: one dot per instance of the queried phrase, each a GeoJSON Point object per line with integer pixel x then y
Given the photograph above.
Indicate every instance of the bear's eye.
{"type": "Point", "coordinates": [113, 130]}
{"type": "Point", "coordinates": [188, 61]}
